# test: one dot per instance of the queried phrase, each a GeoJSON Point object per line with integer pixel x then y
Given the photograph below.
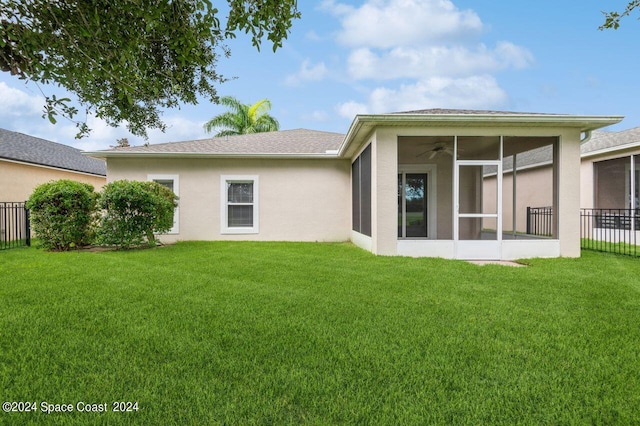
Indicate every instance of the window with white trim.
{"type": "Point", "coordinates": [173, 183]}
{"type": "Point", "coordinates": [239, 204]}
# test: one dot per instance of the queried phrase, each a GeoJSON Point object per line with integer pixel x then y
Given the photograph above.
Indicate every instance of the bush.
{"type": "Point", "coordinates": [63, 214]}
{"type": "Point", "coordinates": [133, 211]}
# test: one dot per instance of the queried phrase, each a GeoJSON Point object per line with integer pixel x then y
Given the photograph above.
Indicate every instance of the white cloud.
{"type": "Point", "coordinates": [316, 116]}
{"type": "Point", "coordinates": [388, 23]}
{"type": "Point", "coordinates": [515, 56]}
{"type": "Point", "coordinates": [307, 72]}
{"type": "Point", "coordinates": [16, 102]}
{"type": "Point", "coordinates": [26, 118]}
{"type": "Point", "coordinates": [313, 36]}
{"type": "Point", "coordinates": [475, 92]}
{"type": "Point", "coordinates": [351, 109]}
{"type": "Point", "coordinates": [428, 53]}
{"type": "Point", "coordinates": [432, 61]}
{"type": "Point", "coordinates": [179, 128]}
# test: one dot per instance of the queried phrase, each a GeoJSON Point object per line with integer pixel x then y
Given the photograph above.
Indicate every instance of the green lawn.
{"type": "Point", "coordinates": [282, 333]}
{"type": "Point", "coordinates": [624, 248]}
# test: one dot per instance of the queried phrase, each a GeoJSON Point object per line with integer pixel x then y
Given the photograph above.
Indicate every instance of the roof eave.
{"type": "Point", "coordinates": [47, 166]}
{"type": "Point", "coordinates": [367, 121]}
{"type": "Point", "coordinates": [626, 147]}
{"type": "Point", "coordinates": [139, 154]}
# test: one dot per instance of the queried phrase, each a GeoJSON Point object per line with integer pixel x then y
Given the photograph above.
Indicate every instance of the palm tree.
{"type": "Point", "coordinates": [242, 118]}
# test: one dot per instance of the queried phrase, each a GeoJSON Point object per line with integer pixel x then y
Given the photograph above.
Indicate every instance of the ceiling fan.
{"type": "Point", "coordinates": [438, 149]}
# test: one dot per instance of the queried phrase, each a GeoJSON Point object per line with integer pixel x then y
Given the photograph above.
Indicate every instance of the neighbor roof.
{"type": "Point", "coordinates": [611, 141]}
{"type": "Point", "coordinates": [600, 142]}
{"type": "Point", "coordinates": [297, 143]}
{"type": "Point", "coordinates": [28, 149]}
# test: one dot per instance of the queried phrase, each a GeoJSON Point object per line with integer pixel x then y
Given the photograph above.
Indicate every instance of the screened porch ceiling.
{"type": "Point", "coordinates": [474, 147]}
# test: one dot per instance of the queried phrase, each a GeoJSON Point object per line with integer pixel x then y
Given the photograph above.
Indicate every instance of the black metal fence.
{"type": "Point", "coordinates": [540, 221]}
{"type": "Point", "coordinates": [610, 230]}
{"type": "Point", "coordinates": [15, 230]}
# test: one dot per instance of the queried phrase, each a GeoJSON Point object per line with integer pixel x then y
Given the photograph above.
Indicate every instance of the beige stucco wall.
{"type": "Point", "coordinates": [568, 196]}
{"type": "Point", "coordinates": [18, 180]}
{"type": "Point", "coordinates": [531, 182]}
{"type": "Point", "coordinates": [586, 184]}
{"type": "Point", "coordinates": [384, 205]}
{"type": "Point", "coordinates": [534, 189]}
{"type": "Point", "coordinates": [299, 200]}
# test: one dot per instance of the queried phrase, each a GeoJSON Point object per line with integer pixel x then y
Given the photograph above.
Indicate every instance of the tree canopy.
{"type": "Point", "coordinates": [612, 19]}
{"type": "Point", "coordinates": [242, 118]}
{"type": "Point", "coordinates": [126, 60]}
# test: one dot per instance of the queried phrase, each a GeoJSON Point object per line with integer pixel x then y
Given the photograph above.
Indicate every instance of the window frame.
{"type": "Point", "coordinates": [224, 204]}
{"type": "Point", "coordinates": [176, 190]}
{"type": "Point", "coordinates": [431, 190]}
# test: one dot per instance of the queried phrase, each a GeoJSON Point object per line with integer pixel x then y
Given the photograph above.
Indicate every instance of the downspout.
{"type": "Point", "coordinates": [587, 137]}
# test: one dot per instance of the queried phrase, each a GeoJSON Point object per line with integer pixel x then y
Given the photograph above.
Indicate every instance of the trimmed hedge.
{"type": "Point", "coordinates": [63, 214]}
{"type": "Point", "coordinates": [133, 211]}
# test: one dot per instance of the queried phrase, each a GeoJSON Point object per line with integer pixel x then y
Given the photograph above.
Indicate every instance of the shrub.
{"type": "Point", "coordinates": [133, 211]}
{"type": "Point", "coordinates": [63, 213]}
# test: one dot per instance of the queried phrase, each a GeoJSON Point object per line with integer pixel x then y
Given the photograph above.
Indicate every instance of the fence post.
{"type": "Point", "coordinates": [528, 220]}
{"type": "Point", "coordinates": [27, 218]}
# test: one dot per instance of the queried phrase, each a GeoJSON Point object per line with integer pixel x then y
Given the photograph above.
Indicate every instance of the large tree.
{"type": "Point", "coordinates": [126, 60]}
{"type": "Point", "coordinates": [612, 19]}
{"type": "Point", "coordinates": [242, 118]}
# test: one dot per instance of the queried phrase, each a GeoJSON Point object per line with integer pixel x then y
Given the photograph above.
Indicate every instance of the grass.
{"type": "Point", "coordinates": [287, 333]}
{"type": "Point", "coordinates": [622, 247]}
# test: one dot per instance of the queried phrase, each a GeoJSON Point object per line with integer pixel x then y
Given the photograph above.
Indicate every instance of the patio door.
{"type": "Point", "coordinates": [478, 221]}
{"type": "Point", "coordinates": [416, 191]}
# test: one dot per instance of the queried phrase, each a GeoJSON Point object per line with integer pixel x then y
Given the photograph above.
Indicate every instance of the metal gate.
{"type": "Point", "coordinates": [15, 230]}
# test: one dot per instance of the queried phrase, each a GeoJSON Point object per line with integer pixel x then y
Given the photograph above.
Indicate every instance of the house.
{"type": "Point", "coordinates": [27, 161]}
{"type": "Point", "coordinates": [606, 178]}
{"type": "Point", "coordinates": [410, 183]}
{"type": "Point", "coordinates": [607, 159]}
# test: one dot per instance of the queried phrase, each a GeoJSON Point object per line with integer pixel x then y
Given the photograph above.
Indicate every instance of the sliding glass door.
{"type": "Point", "coordinates": [413, 215]}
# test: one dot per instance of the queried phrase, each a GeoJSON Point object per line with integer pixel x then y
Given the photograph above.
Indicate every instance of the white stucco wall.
{"type": "Point", "coordinates": [299, 200]}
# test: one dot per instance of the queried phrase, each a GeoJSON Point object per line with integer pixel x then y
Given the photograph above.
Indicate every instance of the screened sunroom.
{"type": "Point", "coordinates": [433, 183]}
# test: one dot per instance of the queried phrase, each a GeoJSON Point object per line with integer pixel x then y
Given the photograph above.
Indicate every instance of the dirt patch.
{"type": "Point", "coordinates": [99, 249]}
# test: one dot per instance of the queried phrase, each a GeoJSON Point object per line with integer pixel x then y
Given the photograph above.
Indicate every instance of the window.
{"type": "Point", "coordinates": [612, 183]}
{"type": "Point", "coordinates": [173, 183]}
{"type": "Point", "coordinates": [361, 192]}
{"type": "Point", "coordinates": [239, 204]}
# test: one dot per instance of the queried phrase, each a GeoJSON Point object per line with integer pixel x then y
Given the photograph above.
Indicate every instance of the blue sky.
{"type": "Point", "coordinates": [372, 56]}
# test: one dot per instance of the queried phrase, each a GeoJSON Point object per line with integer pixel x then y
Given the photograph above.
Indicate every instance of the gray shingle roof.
{"type": "Point", "coordinates": [20, 147]}
{"type": "Point", "coordinates": [298, 141]}
{"type": "Point", "coordinates": [606, 140]}
{"type": "Point", "coordinates": [599, 141]}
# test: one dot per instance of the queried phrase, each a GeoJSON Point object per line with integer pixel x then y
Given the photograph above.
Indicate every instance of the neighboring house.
{"type": "Point", "coordinates": [607, 159]}
{"type": "Point", "coordinates": [410, 183]}
{"type": "Point", "coordinates": [27, 161]}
